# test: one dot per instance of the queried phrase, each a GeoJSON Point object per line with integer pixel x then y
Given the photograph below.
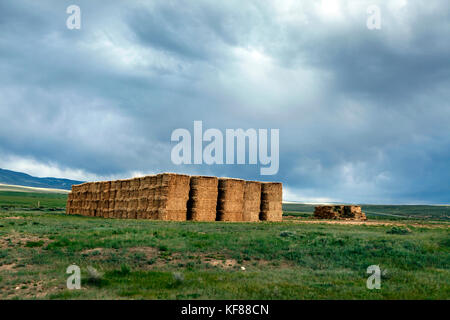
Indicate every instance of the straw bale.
{"type": "Point", "coordinates": [202, 202]}
{"type": "Point", "coordinates": [172, 195]}
{"type": "Point", "coordinates": [252, 201]}
{"type": "Point", "coordinates": [230, 201]}
{"type": "Point", "coordinates": [271, 201]}
{"type": "Point", "coordinates": [339, 212]}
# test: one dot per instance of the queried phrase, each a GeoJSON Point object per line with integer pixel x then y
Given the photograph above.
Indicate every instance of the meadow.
{"type": "Point", "coordinates": [294, 259]}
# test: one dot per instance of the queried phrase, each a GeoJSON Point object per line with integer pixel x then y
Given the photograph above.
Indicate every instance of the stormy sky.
{"type": "Point", "coordinates": [364, 115]}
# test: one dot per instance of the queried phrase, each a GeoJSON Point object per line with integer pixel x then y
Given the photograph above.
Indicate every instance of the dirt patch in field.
{"type": "Point", "coordinates": [7, 267]}
{"type": "Point", "coordinates": [13, 218]}
{"type": "Point", "coordinates": [30, 290]}
{"type": "Point", "coordinates": [226, 264]}
{"type": "Point", "coordinates": [91, 251]}
{"type": "Point", "coordinates": [17, 239]}
{"type": "Point", "coordinates": [149, 252]}
{"type": "Point", "coordinates": [161, 259]}
{"type": "Point", "coordinates": [99, 254]}
{"type": "Point", "coordinates": [138, 254]}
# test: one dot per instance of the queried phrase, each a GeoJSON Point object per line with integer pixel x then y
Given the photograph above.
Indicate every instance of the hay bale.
{"type": "Point", "coordinates": [76, 188]}
{"type": "Point", "coordinates": [115, 185]}
{"type": "Point", "coordinates": [252, 201]}
{"type": "Point", "coordinates": [172, 195]}
{"type": "Point", "coordinates": [230, 199]}
{"type": "Point", "coordinates": [339, 212]}
{"type": "Point", "coordinates": [202, 202]}
{"type": "Point", "coordinates": [131, 209]}
{"type": "Point", "coordinates": [120, 206]}
{"type": "Point", "coordinates": [69, 203]}
{"type": "Point", "coordinates": [327, 212]}
{"type": "Point", "coordinates": [271, 201]}
{"type": "Point", "coordinates": [149, 187]}
{"type": "Point", "coordinates": [353, 212]}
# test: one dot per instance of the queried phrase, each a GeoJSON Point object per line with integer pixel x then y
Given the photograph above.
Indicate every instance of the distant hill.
{"type": "Point", "coordinates": [23, 179]}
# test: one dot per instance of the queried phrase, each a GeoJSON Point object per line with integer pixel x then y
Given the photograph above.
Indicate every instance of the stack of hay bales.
{"type": "Point", "coordinates": [353, 212]}
{"type": "Point", "coordinates": [230, 200]}
{"type": "Point", "coordinates": [271, 199]}
{"type": "Point", "coordinates": [70, 203]}
{"type": "Point", "coordinates": [339, 212]}
{"type": "Point", "coordinates": [252, 201]}
{"type": "Point", "coordinates": [76, 200]}
{"type": "Point", "coordinates": [152, 193]}
{"type": "Point", "coordinates": [143, 199]}
{"type": "Point", "coordinates": [202, 198]}
{"type": "Point", "coordinates": [172, 195]}
{"type": "Point", "coordinates": [113, 190]}
{"type": "Point", "coordinates": [118, 200]}
{"type": "Point", "coordinates": [125, 192]}
{"type": "Point", "coordinates": [90, 200]}
{"type": "Point", "coordinates": [133, 191]}
{"type": "Point", "coordinates": [326, 212]}
{"type": "Point", "coordinates": [177, 197]}
{"type": "Point", "coordinates": [84, 201]}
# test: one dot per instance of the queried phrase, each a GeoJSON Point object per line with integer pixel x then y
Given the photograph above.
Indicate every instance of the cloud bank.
{"type": "Point", "coordinates": [363, 114]}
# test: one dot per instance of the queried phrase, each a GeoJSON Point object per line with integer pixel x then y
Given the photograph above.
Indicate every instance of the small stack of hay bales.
{"type": "Point", "coordinates": [123, 199]}
{"type": "Point", "coordinates": [326, 212]}
{"type": "Point", "coordinates": [84, 201]}
{"type": "Point", "coordinates": [143, 199]}
{"type": "Point", "coordinates": [230, 200]}
{"type": "Point", "coordinates": [252, 201]}
{"type": "Point", "coordinates": [134, 186]}
{"type": "Point", "coordinates": [152, 194]}
{"type": "Point", "coordinates": [113, 190]}
{"type": "Point", "coordinates": [339, 212]}
{"type": "Point", "coordinates": [353, 212]}
{"type": "Point", "coordinates": [73, 200]}
{"type": "Point", "coordinates": [202, 198]}
{"type": "Point", "coordinates": [271, 199]}
{"type": "Point", "coordinates": [70, 203]}
{"type": "Point", "coordinates": [172, 196]}
{"type": "Point", "coordinates": [118, 201]}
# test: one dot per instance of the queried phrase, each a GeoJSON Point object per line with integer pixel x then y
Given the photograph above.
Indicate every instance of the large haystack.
{"type": "Point", "coordinates": [177, 197]}
{"type": "Point", "coordinates": [271, 200]}
{"type": "Point", "coordinates": [202, 198]}
{"type": "Point", "coordinates": [230, 200]}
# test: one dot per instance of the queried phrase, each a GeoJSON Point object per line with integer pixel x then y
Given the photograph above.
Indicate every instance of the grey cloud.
{"type": "Point", "coordinates": [363, 115]}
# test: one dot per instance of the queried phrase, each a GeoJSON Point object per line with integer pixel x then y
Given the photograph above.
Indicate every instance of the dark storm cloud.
{"type": "Point", "coordinates": [363, 115]}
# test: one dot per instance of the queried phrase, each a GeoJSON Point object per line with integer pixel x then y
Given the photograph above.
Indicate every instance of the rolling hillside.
{"type": "Point", "coordinates": [22, 179]}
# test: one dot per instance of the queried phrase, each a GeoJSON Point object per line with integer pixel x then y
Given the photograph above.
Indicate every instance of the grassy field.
{"type": "Point", "coordinates": [295, 259]}
{"type": "Point", "coordinates": [32, 200]}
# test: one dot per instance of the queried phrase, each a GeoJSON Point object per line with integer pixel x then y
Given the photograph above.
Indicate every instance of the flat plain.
{"type": "Point", "coordinates": [299, 258]}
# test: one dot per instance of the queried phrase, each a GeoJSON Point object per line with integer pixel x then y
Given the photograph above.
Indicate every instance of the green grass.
{"type": "Point", "coordinates": [140, 259]}
{"type": "Point", "coordinates": [12, 199]}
